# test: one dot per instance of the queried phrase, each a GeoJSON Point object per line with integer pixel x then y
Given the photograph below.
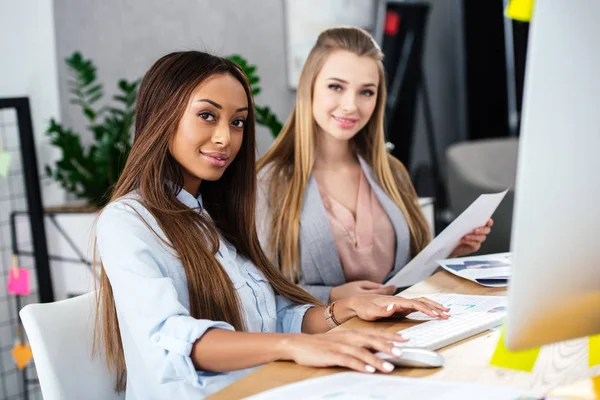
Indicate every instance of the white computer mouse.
{"type": "Point", "coordinates": [415, 357]}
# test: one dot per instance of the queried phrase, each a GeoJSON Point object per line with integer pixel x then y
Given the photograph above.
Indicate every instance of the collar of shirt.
{"type": "Point", "coordinates": [189, 200]}
{"type": "Point", "coordinates": [226, 250]}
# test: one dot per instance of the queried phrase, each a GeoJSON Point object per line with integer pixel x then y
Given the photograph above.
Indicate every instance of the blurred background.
{"type": "Point", "coordinates": [69, 71]}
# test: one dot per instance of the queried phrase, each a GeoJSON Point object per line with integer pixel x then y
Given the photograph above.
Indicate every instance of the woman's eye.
{"type": "Point", "coordinates": [368, 93]}
{"type": "Point", "coordinates": [207, 116]}
{"type": "Point", "coordinates": [239, 123]}
{"type": "Point", "coordinates": [335, 86]}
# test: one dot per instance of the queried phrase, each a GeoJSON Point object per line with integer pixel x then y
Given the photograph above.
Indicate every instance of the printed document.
{"type": "Point", "coordinates": [464, 303]}
{"type": "Point", "coordinates": [492, 270]}
{"type": "Point", "coordinates": [357, 386]}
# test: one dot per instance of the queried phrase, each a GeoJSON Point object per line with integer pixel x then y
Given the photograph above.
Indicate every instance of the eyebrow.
{"type": "Point", "coordinates": [346, 82]}
{"type": "Point", "coordinates": [220, 107]}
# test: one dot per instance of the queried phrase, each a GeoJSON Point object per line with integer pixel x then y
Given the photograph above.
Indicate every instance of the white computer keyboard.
{"type": "Point", "coordinates": [437, 333]}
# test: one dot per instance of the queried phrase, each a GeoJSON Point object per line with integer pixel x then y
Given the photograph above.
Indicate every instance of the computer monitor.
{"type": "Point", "coordinates": [554, 292]}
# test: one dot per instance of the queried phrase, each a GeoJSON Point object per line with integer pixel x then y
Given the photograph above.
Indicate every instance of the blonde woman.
{"type": "Point", "coordinates": [336, 211]}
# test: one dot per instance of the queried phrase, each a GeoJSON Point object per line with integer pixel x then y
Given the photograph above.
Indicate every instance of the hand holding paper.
{"type": "Point", "coordinates": [423, 265]}
{"type": "Point", "coordinates": [471, 242]}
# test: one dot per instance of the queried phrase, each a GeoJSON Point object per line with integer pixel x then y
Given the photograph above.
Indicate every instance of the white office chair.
{"type": "Point", "coordinates": [61, 337]}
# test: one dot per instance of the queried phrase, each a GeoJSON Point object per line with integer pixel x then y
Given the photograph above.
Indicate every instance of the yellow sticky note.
{"type": "Point", "coordinates": [594, 350]}
{"type": "Point", "coordinates": [520, 10]}
{"type": "Point", "coordinates": [519, 360]}
{"type": "Point", "coordinates": [4, 163]}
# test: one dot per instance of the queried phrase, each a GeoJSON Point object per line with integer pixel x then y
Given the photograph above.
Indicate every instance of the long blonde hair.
{"type": "Point", "coordinates": [230, 202]}
{"type": "Point", "coordinates": [290, 159]}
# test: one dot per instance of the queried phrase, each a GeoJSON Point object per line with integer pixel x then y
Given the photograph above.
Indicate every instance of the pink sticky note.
{"type": "Point", "coordinates": [18, 281]}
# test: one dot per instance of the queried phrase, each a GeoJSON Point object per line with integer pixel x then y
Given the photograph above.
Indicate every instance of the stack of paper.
{"type": "Point", "coordinates": [491, 270]}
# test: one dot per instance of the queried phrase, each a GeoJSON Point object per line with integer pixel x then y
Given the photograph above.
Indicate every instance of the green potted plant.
{"type": "Point", "coordinates": [89, 173]}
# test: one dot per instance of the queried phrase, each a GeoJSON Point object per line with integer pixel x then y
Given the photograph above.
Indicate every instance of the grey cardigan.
{"type": "Point", "coordinates": [321, 268]}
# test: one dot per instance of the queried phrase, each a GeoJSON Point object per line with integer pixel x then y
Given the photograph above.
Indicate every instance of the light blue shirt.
{"type": "Point", "coordinates": [152, 301]}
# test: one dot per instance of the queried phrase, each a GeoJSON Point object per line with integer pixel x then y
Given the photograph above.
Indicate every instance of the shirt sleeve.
{"type": "Point", "coordinates": [147, 302]}
{"type": "Point", "coordinates": [320, 292]}
{"type": "Point", "coordinates": [290, 315]}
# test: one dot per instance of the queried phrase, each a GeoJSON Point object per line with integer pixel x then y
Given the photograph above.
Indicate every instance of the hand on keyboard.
{"type": "Point", "coordinates": [373, 307]}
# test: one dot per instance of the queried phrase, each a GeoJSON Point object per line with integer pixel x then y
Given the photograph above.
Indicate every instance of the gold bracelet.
{"type": "Point", "coordinates": [329, 317]}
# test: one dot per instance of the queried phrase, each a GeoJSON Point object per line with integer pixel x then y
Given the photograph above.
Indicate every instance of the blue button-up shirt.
{"type": "Point", "coordinates": [152, 301]}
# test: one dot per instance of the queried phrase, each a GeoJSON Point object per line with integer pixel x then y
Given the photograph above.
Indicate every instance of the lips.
{"type": "Point", "coordinates": [345, 122]}
{"type": "Point", "coordinates": [216, 158]}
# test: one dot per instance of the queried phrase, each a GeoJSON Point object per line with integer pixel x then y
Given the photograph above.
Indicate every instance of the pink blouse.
{"type": "Point", "coordinates": [367, 245]}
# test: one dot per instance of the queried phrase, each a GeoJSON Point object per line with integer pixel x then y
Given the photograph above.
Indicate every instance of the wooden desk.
{"type": "Point", "coordinates": [466, 361]}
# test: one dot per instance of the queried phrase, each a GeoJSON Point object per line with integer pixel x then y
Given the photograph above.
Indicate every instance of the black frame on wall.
{"type": "Point", "coordinates": [34, 197]}
{"type": "Point", "coordinates": [28, 179]}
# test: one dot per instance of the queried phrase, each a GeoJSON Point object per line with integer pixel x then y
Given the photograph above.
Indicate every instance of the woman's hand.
{"type": "Point", "coordinates": [359, 287]}
{"type": "Point", "coordinates": [345, 348]}
{"type": "Point", "coordinates": [373, 307]}
{"type": "Point", "coordinates": [471, 242]}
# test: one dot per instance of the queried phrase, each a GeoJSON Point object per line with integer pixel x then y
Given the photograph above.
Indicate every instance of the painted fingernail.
{"type": "Point", "coordinates": [388, 367]}
{"type": "Point", "coordinates": [370, 369]}
{"type": "Point", "coordinates": [397, 352]}
{"type": "Point", "coordinates": [389, 308]}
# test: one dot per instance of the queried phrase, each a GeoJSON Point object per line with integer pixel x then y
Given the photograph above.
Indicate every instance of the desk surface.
{"type": "Point", "coordinates": [466, 361]}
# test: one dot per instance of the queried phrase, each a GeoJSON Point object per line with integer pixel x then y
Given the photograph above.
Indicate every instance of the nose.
{"type": "Point", "coordinates": [348, 102]}
{"type": "Point", "coordinates": [221, 135]}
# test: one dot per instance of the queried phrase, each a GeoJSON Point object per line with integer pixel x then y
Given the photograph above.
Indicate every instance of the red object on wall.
{"type": "Point", "coordinates": [392, 22]}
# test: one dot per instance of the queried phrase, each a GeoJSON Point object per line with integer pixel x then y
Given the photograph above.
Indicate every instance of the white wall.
{"type": "Point", "coordinates": [28, 68]}
{"type": "Point", "coordinates": [124, 38]}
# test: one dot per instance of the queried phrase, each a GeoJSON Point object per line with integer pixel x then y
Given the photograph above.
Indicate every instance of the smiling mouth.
{"type": "Point", "coordinates": [345, 120]}
{"type": "Point", "coordinates": [216, 159]}
{"type": "Point", "coordinates": [217, 156]}
{"type": "Point", "coordinates": [345, 123]}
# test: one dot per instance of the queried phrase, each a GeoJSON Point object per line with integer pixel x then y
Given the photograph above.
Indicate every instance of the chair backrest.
{"type": "Point", "coordinates": [61, 335]}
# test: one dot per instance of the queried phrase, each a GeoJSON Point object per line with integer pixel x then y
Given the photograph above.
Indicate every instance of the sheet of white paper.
{"type": "Point", "coordinates": [423, 265]}
{"type": "Point", "coordinates": [477, 268]}
{"type": "Point", "coordinates": [356, 386]}
{"type": "Point", "coordinates": [464, 303]}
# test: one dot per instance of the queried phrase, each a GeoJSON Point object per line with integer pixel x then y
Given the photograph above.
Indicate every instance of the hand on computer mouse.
{"type": "Point", "coordinates": [354, 349]}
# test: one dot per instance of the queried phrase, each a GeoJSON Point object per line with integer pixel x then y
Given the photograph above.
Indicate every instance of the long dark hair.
{"type": "Point", "coordinates": [230, 201]}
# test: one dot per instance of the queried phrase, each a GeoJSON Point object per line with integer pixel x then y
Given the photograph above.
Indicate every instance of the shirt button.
{"type": "Point", "coordinates": [156, 338]}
